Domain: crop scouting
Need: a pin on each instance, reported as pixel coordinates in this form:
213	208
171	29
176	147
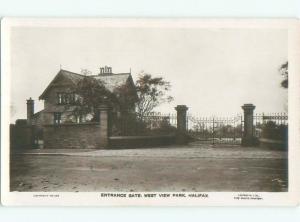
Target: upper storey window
66	98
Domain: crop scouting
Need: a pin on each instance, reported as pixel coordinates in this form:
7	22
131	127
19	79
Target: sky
212	71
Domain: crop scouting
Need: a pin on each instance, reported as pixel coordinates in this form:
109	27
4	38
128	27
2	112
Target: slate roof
111	81
74	77
114	80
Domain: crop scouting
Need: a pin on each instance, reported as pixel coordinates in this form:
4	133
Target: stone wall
21	136
73	136
123	142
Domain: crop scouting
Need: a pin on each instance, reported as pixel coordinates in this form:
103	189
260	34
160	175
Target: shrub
271	130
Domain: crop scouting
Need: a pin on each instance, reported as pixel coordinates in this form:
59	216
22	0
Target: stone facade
65	83
72	136
88	135
57	126
51	104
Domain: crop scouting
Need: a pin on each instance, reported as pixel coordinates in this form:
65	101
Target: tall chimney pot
105	70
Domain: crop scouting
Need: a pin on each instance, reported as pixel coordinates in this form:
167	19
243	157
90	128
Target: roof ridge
71	72
109	74
122	73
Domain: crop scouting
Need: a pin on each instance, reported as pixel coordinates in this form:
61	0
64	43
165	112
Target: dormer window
65	98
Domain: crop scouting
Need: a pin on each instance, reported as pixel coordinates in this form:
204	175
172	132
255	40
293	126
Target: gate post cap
30	100
248	106
181	108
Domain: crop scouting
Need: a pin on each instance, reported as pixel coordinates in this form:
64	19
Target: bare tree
152	92
91	94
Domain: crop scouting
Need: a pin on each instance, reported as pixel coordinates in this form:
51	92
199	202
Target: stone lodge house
56	124
59	97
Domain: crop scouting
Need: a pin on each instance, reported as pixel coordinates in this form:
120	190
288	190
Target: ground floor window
57	118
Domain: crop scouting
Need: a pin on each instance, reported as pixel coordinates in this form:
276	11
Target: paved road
191	168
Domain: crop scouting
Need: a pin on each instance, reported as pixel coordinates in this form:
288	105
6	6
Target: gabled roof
111	81
74	77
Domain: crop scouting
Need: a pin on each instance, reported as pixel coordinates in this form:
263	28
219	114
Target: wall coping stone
71	124
140	137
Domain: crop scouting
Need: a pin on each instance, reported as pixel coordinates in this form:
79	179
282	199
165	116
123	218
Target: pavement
193	150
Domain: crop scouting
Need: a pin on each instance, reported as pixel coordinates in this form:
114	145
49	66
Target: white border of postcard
290	198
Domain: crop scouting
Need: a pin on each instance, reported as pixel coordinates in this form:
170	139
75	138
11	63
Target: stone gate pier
248	138
181	137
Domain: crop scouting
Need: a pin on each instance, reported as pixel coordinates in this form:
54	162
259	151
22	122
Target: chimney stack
105	70
30	110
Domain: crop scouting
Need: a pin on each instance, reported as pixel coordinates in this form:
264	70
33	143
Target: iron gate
214	130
